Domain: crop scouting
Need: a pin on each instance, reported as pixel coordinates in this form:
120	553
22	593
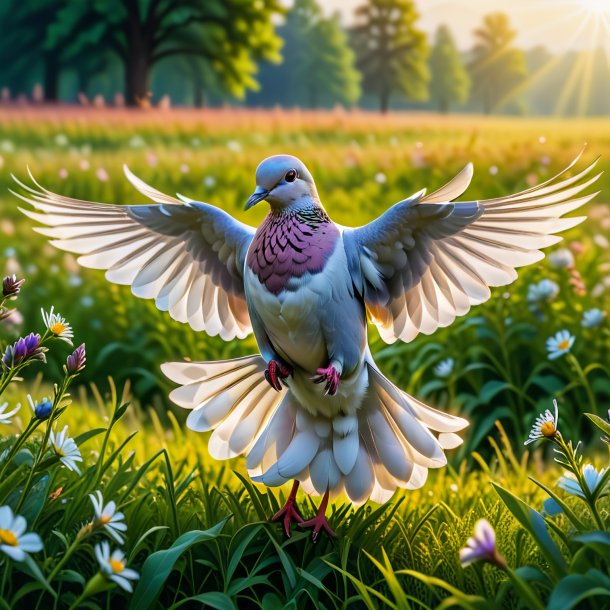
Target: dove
313	407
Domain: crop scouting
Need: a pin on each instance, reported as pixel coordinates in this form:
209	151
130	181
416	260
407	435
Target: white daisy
107	517
5	418
481	546
560	344
65	448
112	566
593	317
592	479
14	542
545	425
58	326
444	368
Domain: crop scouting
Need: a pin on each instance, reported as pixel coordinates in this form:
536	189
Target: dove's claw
319	522
275	372
331	376
289	512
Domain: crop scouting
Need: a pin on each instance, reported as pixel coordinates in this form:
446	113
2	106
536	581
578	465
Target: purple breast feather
288	245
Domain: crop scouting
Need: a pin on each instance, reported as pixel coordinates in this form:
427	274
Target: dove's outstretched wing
189	257
425	261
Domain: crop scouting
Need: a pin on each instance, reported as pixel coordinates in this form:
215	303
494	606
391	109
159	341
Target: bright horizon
559	25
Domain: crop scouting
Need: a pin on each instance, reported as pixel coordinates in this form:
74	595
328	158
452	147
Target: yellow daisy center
7	537
57	328
104	519
548	429
116	565
565	344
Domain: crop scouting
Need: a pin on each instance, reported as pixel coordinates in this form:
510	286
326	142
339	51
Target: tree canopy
497	66
392	53
229	34
318	66
450	82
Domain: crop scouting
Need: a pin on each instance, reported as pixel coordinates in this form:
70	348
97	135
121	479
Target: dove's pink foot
331	376
319	522
275	372
289	512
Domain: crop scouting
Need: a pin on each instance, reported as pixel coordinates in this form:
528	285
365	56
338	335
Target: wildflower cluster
54	448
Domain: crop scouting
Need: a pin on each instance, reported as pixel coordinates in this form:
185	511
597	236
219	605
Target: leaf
85	436
159	565
574	589
602	424
570	514
534	523
597	540
213	599
30	567
36	499
491	389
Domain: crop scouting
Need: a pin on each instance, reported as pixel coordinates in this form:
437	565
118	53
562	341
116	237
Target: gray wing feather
188	257
424	262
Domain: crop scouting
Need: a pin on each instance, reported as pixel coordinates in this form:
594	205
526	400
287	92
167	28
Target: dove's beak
259	194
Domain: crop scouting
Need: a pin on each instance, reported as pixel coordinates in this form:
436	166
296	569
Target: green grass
162	477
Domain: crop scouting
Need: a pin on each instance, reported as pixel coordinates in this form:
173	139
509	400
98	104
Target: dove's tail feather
390	442
230	397
400	439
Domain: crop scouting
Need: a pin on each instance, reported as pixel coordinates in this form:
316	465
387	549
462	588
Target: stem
65	557
6	379
33	424
59	394
570	455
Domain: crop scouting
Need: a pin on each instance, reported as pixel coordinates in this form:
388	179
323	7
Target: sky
560	25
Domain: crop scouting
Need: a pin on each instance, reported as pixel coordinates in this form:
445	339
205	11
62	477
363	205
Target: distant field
362	162
499	370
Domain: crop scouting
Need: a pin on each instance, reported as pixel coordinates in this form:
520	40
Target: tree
319	61
450	81
229	34
497	66
24	46
392	53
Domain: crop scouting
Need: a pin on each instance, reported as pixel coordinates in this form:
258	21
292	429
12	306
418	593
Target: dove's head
284	182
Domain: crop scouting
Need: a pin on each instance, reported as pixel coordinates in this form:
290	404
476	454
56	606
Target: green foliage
229	35
450	82
497	67
392	53
317	62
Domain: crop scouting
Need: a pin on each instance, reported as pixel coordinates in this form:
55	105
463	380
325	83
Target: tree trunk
51	77
137	70
313	96
443	106
198	85
138	58
384	100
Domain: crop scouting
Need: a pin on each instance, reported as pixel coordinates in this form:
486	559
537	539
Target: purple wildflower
482	546
11	286
76	360
24	347
32	341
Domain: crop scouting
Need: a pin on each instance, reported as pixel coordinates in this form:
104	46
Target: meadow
196	529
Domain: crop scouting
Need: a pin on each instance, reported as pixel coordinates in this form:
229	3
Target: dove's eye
291	175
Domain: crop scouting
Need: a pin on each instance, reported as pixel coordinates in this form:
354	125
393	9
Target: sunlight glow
596	6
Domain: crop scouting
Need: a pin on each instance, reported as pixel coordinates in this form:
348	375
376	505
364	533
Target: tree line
258	51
